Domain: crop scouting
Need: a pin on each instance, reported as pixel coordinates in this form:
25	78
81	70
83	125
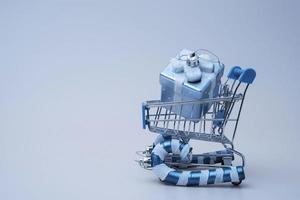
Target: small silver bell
192	60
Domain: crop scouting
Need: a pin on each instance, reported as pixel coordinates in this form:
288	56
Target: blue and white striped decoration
189	178
206	158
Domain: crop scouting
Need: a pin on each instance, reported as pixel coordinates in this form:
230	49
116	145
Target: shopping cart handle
243	75
235	72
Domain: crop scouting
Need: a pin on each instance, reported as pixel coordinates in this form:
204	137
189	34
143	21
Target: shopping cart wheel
236	183
226	161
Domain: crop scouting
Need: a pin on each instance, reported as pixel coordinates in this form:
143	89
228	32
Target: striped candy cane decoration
189	178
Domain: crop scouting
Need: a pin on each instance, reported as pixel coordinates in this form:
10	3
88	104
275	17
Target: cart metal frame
224	110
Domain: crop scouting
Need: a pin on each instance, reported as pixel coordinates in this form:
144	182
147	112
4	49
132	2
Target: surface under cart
170	156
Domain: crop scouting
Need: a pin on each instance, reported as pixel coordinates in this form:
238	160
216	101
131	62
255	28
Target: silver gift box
175	87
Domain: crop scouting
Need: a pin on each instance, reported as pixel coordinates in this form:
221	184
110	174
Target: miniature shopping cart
171	157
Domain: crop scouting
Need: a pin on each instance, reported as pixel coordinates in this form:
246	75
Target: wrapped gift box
182	82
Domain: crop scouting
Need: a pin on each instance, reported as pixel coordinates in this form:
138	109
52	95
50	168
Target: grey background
73	75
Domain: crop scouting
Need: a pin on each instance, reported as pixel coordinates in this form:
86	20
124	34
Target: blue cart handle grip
243	75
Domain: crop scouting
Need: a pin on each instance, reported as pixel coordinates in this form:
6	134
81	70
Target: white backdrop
73	75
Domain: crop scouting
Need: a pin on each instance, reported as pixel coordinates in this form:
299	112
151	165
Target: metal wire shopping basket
171	153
